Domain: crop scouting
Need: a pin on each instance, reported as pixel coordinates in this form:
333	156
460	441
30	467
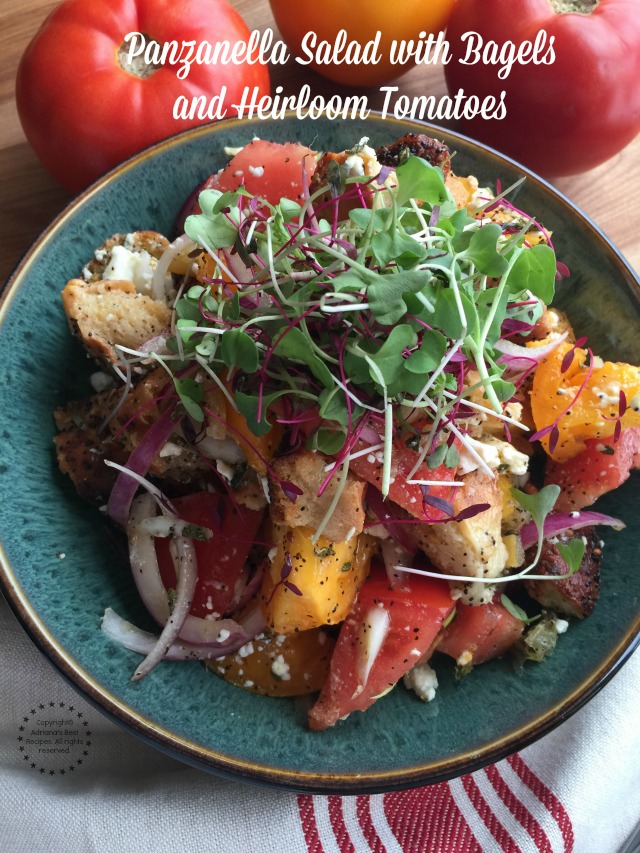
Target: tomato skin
221	559
485	632
361	19
562	118
406	495
422	604
83	113
270	170
601	467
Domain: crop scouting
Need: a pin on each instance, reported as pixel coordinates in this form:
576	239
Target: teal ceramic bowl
181	708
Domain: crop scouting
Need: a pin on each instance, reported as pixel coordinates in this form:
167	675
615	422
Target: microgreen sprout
356	317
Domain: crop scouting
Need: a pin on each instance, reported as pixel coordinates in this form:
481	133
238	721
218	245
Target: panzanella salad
343	431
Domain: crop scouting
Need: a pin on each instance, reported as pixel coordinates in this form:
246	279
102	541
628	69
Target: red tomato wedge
485	632
409	497
221	559
270	170
601	467
386	633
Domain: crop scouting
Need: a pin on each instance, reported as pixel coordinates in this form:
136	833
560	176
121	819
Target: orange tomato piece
595	411
279	665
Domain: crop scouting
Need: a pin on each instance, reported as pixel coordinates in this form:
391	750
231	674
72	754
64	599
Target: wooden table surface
30	198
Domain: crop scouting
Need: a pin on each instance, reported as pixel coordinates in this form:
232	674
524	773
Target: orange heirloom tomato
409	19
84	107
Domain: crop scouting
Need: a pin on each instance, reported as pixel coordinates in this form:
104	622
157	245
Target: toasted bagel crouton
104	314
305	469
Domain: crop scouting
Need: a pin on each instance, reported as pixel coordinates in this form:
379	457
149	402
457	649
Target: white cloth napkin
578	789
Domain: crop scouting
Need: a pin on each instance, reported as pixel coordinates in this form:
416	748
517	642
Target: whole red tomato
568	116
361	19
84	108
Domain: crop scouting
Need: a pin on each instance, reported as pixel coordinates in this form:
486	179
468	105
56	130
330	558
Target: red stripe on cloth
506	842
428	819
338	825
546	797
309	825
363	810
519	810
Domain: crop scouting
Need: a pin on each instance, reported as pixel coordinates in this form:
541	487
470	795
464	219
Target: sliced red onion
559	522
181	244
157	344
370	435
184	557
144	561
253	585
535	353
139	462
137	640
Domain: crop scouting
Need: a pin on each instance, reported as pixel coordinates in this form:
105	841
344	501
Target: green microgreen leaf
535	270
389	358
248	406
426	359
211	226
517	611
394	246
420	180
572	553
295	345
437	457
539	504
191	396
238	349
447	314
385	294
483	253
326	441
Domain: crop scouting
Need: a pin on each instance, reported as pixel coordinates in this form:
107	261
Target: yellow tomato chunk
279	665
595	411
309	585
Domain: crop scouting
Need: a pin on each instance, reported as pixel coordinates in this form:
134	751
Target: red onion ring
139	462
561	522
137	640
532	353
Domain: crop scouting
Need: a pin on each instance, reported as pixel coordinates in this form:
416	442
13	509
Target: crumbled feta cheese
561	624
423	680
226	470
100	381
126	265
246	650
464	659
280	668
354	165
494	453
169	448
257	171
607	396
100	255
223	635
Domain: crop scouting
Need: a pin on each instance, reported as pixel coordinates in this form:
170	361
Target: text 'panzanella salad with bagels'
341	427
